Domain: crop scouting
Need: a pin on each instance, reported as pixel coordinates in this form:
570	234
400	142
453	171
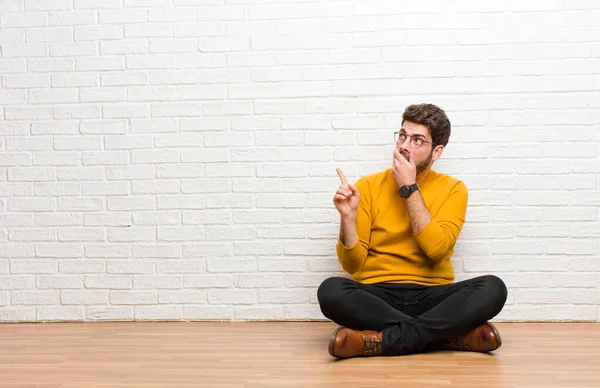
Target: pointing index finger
342	177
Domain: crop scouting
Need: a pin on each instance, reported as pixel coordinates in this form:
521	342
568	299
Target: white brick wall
175	159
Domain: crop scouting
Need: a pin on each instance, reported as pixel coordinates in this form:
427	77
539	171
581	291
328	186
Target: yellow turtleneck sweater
388	250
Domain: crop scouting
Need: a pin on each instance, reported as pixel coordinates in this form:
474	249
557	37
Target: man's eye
418	141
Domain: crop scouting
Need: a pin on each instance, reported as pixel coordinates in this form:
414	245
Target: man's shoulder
440	179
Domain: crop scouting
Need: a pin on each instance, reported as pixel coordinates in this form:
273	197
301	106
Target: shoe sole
331	342
497	333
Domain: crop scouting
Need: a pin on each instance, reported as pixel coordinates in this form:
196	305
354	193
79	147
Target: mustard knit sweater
388	250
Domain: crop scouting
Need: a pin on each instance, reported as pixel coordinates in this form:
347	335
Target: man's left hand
403	171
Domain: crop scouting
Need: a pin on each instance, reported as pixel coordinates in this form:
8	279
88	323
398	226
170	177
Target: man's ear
437	152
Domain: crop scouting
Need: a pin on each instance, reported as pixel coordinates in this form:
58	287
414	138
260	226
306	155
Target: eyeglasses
416	141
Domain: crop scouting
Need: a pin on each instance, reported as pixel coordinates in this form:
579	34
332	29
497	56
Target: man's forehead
415	129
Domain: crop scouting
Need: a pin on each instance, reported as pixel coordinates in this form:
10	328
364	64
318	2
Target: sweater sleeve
353	258
440	234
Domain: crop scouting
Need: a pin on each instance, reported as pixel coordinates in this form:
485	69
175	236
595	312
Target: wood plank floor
277	354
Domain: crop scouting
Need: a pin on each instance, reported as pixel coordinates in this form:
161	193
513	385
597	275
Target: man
397	235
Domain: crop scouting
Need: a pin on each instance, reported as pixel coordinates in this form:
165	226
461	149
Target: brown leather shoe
484	338
346	343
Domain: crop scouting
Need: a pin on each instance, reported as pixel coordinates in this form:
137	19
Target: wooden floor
273	354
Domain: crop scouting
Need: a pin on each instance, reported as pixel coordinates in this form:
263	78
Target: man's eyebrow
416	134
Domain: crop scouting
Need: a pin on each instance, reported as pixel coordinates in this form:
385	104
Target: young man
397	236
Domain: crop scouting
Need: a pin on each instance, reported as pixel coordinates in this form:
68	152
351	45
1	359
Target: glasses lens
416	143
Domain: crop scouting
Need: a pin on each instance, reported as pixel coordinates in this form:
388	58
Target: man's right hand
346	197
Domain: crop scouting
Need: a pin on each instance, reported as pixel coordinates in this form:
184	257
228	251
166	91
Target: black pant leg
358	306
441	312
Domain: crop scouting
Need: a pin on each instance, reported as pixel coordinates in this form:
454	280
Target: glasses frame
410	137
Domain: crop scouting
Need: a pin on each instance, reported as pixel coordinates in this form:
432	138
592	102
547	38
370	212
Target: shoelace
370	345
457	343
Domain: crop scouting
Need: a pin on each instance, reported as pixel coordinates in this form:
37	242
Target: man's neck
421	177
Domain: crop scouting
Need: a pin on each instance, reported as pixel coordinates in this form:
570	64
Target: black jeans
413	318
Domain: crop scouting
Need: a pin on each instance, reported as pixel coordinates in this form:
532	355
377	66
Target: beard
422	166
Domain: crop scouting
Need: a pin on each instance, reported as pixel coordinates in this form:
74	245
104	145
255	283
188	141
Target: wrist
406	191
349	217
405	182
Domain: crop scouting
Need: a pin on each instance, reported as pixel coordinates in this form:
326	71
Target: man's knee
496	289
329	295
330	290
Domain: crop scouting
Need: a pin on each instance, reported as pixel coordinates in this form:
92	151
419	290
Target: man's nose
402	145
